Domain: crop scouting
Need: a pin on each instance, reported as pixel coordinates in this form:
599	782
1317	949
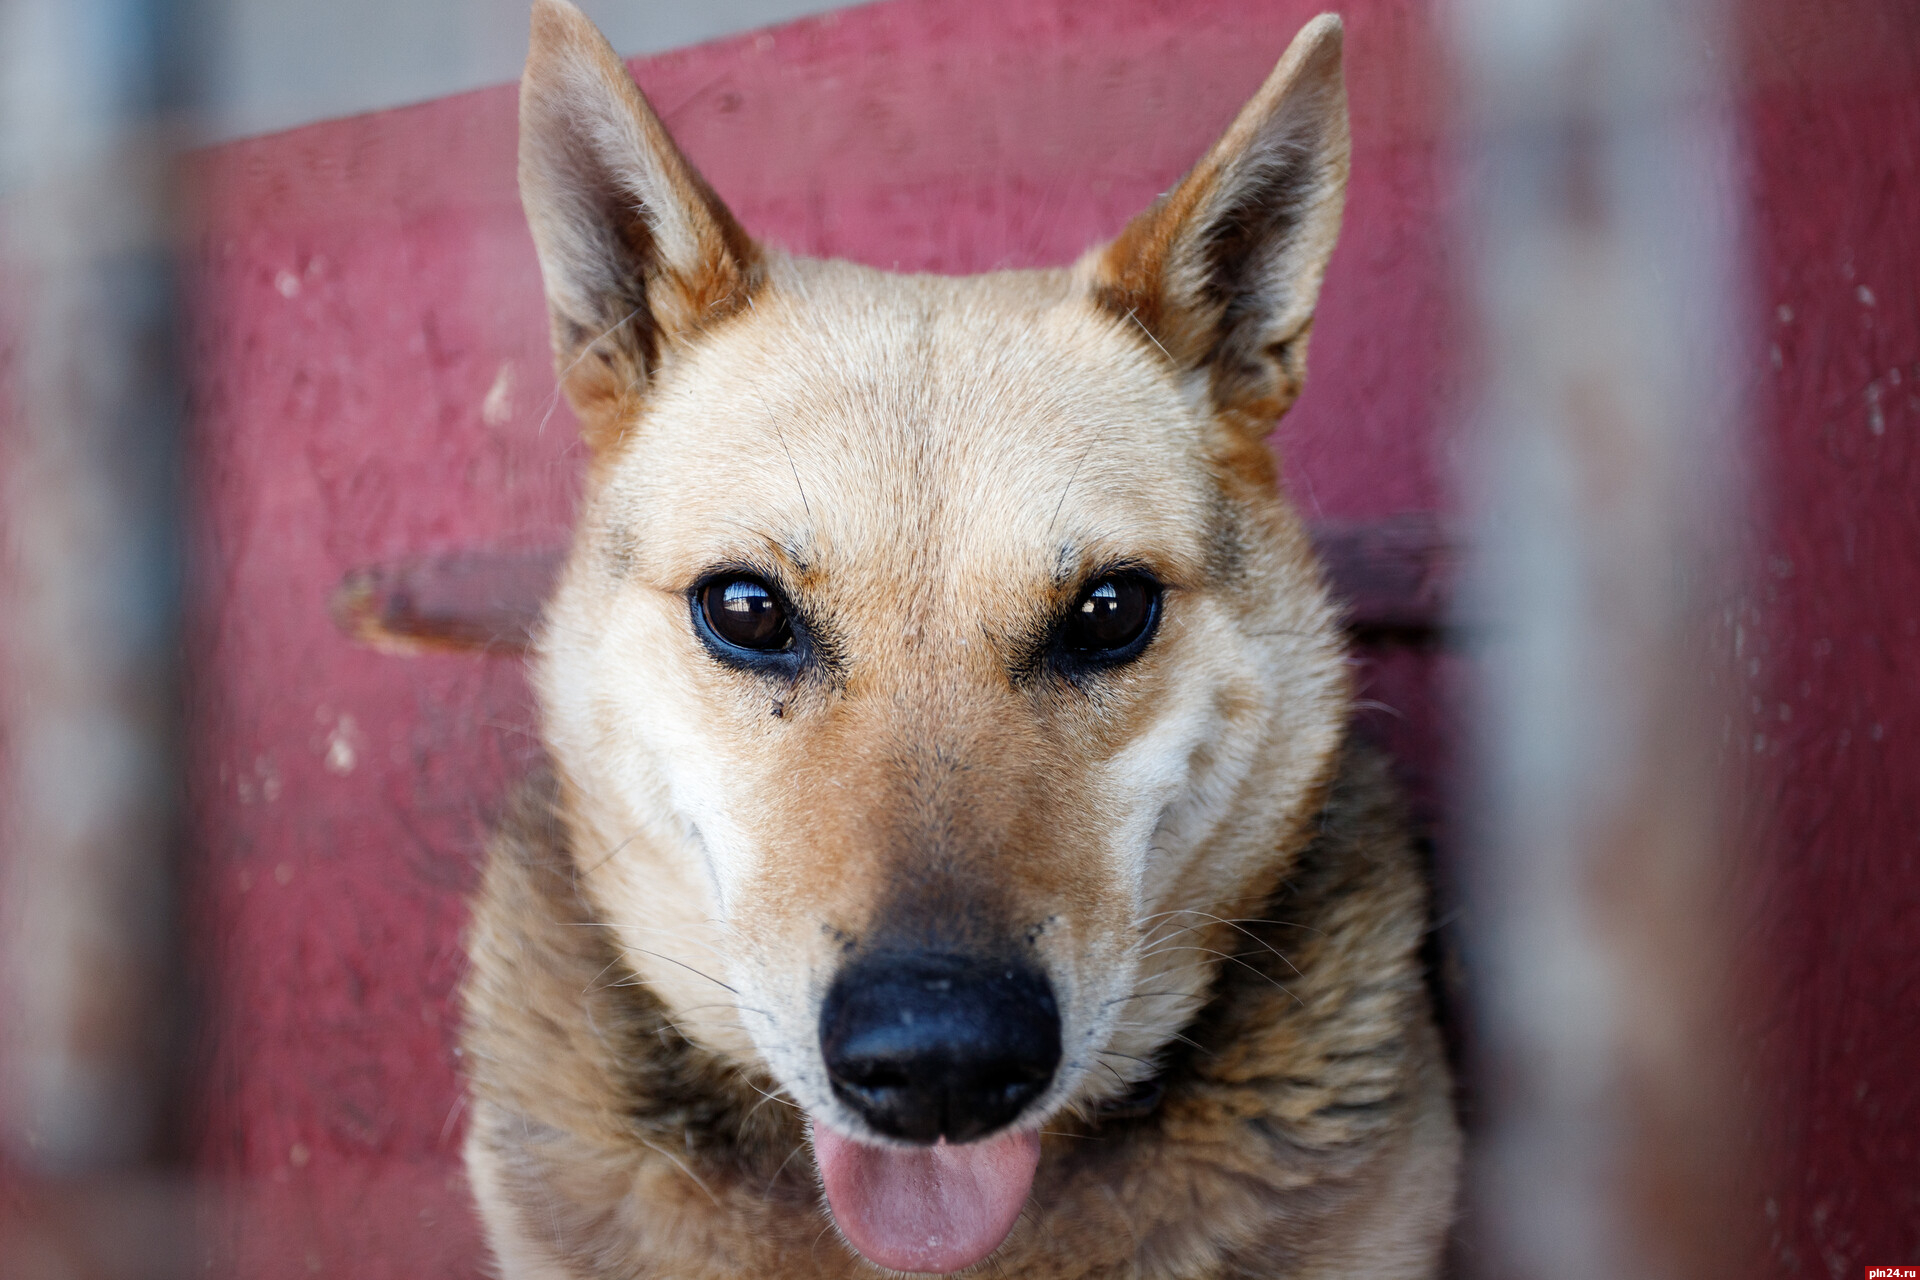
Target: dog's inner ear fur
1223	271
636	251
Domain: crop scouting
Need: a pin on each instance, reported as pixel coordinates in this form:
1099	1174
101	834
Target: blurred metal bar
1606	485
90	416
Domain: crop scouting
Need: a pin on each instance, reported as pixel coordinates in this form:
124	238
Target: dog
951	854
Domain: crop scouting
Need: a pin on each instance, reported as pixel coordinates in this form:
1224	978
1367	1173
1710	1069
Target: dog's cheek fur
1241	752
634	743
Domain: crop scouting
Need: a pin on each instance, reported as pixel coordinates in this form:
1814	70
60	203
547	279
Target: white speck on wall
262	782
343	753
288	284
497	409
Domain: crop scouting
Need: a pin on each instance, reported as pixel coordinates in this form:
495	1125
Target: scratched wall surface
372	383
1831	642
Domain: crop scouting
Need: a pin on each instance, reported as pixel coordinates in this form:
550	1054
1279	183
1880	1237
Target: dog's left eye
1111	617
745	613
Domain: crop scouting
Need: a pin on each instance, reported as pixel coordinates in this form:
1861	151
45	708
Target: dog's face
937	669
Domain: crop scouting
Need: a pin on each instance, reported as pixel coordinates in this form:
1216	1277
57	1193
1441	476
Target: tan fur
933	469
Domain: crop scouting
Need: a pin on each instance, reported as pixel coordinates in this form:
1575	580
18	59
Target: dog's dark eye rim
1134	643
791	634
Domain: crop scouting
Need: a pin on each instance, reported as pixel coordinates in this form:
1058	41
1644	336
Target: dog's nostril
927	1046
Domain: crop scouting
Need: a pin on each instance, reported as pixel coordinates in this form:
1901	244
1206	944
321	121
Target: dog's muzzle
924	1046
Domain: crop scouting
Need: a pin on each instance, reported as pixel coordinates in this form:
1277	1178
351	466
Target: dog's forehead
995	423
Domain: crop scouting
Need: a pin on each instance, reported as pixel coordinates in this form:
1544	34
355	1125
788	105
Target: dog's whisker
677	1163
1241	927
766	1097
767	1191
603	973
1143	921
1115	1053
611	854
737	1008
675	934
1243	962
1152	995
661	955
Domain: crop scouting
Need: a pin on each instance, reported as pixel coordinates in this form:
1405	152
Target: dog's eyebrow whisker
1060	506
781	435
586	349
1134	315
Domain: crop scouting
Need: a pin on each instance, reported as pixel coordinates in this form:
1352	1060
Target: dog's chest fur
1304	1128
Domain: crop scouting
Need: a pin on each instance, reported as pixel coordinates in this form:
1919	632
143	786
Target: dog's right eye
745	613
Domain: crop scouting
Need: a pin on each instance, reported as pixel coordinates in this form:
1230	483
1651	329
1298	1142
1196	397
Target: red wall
1833	629
372	382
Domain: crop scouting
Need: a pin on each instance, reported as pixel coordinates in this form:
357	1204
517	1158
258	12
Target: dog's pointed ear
636	251
1223	271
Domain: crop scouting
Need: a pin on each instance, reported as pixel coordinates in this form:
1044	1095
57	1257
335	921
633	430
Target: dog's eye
1111	617
744	612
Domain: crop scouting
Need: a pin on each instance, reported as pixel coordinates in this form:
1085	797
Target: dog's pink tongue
939	1208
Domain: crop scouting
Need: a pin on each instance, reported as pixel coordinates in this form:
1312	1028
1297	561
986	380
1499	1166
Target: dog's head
937	672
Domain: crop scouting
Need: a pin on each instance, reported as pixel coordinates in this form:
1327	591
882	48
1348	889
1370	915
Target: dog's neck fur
1302	1081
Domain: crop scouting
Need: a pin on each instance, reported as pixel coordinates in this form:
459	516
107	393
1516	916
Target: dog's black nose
928	1046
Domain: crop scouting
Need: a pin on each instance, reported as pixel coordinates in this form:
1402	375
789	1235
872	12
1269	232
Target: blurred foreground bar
90	413
1606	491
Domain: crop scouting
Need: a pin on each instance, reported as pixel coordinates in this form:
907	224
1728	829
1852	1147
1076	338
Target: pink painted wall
372	382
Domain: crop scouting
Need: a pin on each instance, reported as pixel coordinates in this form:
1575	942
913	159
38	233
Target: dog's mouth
939	1056
939	1209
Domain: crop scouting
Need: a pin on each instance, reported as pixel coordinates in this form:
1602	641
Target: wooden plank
1394	576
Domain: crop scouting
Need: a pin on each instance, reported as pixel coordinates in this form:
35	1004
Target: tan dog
949	808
